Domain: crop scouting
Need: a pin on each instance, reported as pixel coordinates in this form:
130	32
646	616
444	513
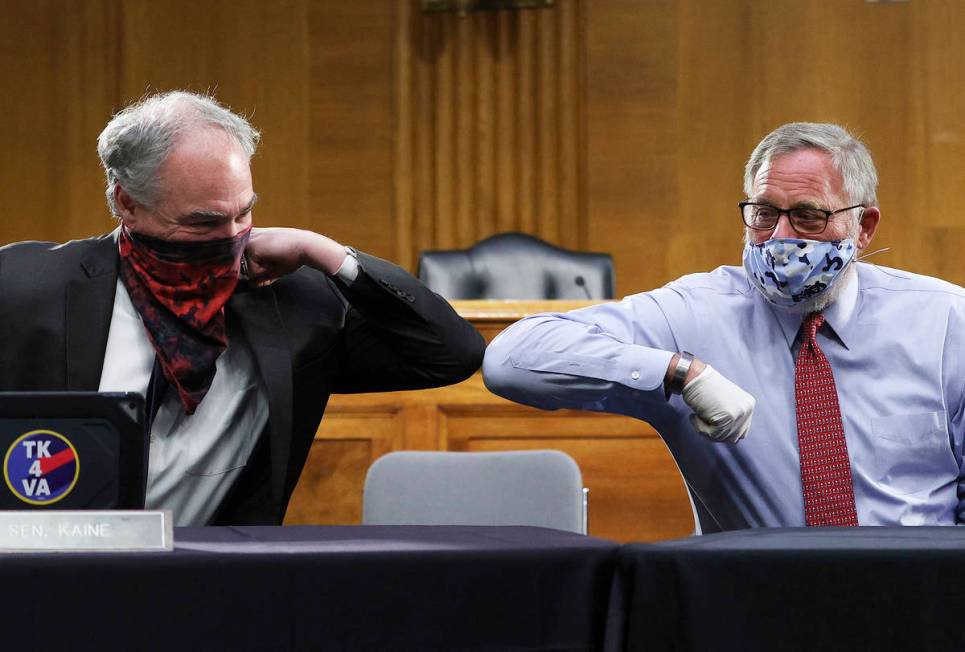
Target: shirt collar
839	316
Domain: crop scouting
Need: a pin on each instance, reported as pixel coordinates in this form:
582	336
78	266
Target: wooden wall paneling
84	93
57	89
631	131
422	428
715	90
330	487
636	492
874	90
487	126
866	88
255	59
936	88
278	88
357	430
506	123
402	138
571	99
352	136
546	113
903	192
484	134
464	149
525	119
422	127
444	33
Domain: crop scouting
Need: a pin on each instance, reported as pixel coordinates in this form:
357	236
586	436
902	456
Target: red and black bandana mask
180	290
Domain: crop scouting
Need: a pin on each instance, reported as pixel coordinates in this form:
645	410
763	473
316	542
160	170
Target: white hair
138	139
848	155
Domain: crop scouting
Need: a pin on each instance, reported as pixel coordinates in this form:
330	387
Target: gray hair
139	138
848	155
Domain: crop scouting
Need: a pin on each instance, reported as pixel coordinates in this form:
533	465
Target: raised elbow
470	356
498	370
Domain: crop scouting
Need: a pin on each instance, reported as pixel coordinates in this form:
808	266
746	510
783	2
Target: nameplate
85	531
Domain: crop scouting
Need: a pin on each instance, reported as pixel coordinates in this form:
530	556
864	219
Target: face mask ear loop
876	251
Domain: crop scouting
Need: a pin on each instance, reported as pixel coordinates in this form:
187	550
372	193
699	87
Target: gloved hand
722	410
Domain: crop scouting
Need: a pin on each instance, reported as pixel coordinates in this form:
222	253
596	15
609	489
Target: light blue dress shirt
896	344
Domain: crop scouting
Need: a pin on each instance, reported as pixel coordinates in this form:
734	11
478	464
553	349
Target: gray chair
517	266
539	487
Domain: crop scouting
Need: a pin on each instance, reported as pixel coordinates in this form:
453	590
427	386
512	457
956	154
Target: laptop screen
72	450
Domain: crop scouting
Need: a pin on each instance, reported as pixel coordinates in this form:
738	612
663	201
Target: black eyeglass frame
788	211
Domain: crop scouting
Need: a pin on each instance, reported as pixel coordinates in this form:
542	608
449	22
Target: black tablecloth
793	589
317	588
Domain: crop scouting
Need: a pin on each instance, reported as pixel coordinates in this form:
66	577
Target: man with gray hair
236	335
858	407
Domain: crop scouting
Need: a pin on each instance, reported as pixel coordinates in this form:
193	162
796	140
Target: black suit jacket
311	336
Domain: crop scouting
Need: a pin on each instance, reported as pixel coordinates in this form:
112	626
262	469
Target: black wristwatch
679	375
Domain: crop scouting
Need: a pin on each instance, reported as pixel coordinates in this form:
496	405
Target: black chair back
517	266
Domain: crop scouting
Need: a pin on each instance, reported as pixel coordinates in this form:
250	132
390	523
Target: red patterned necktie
825	466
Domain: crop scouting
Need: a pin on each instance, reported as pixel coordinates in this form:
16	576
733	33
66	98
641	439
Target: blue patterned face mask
788	271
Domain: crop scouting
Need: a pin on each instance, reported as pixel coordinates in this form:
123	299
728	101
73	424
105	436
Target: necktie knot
811	325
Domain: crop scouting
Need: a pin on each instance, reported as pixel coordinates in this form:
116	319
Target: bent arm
612	357
398	334
395	333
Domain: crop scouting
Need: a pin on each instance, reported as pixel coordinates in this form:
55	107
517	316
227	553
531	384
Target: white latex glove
722	410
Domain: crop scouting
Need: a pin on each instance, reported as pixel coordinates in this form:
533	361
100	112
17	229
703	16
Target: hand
275	252
722	410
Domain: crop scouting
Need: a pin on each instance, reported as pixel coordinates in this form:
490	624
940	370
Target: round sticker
41	467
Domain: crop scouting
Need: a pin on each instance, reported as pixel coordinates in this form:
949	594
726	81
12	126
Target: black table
317	588
793	589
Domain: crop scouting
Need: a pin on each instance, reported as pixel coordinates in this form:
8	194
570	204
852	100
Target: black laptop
72	450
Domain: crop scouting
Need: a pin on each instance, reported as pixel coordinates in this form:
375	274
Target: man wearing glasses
853	373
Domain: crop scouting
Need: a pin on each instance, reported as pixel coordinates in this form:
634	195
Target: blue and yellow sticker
41	467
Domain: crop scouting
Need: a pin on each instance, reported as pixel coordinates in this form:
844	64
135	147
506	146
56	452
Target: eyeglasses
806	221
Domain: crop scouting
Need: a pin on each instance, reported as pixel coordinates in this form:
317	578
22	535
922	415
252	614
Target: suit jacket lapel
257	312
90	303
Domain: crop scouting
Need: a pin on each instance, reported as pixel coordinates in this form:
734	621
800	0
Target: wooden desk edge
477	310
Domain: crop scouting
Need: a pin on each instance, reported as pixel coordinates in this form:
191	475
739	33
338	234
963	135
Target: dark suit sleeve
44	286
398	334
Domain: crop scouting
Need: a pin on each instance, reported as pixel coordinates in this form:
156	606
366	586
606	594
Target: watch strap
679	375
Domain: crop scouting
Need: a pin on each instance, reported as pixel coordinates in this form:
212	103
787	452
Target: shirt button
635	375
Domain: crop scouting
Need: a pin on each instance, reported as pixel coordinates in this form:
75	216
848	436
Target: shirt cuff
349	269
637	367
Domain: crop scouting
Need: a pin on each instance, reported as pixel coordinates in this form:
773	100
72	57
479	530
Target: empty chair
517	266
541	487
